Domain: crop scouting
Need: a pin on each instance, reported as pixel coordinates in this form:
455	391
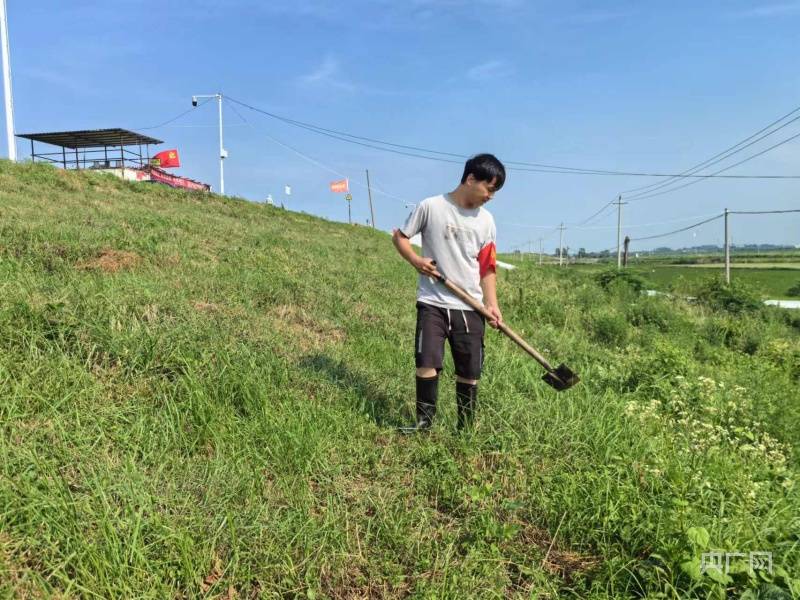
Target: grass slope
199	398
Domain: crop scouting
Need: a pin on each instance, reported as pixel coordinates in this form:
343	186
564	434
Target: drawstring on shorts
450	323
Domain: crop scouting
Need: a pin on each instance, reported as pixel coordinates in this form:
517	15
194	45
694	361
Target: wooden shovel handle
503	327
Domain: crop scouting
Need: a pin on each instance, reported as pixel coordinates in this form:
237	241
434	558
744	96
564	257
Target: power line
703	222
175	118
585	221
415	152
605	227
316	162
543	238
727	152
640	225
713	160
736	164
548	227
324	166
236	111
762	212
687	228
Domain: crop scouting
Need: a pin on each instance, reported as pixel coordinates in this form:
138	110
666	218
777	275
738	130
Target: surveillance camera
194	100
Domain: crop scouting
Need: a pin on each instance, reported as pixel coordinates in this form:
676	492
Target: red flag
340	187
166	159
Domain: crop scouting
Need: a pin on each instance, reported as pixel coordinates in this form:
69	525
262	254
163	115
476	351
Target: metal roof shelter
91	148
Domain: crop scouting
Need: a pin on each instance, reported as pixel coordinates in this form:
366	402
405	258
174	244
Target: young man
458	240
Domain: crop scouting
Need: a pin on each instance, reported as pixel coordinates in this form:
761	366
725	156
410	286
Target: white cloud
328	74
770	10
589	17
493	69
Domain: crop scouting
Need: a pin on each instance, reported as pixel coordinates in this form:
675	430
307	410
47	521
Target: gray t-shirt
453	237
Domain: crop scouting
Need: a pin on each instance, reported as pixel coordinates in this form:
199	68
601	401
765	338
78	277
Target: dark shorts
463	329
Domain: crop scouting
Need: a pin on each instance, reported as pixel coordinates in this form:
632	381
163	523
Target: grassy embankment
199	398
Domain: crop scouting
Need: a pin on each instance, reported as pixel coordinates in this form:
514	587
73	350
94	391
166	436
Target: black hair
485	167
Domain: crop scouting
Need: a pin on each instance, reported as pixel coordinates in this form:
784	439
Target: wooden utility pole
369	192
727	250
540	252
619	204
625	251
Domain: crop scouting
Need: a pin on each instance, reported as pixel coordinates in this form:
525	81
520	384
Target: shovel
561	378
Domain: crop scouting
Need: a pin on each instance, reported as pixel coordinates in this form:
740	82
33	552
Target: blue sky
656	86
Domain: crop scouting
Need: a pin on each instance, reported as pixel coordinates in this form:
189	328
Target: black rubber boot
427	390
467	401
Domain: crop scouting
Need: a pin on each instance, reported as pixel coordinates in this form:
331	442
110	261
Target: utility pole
561	246
540	252
625	252
9	97
369	192
223	154
619	204
727	250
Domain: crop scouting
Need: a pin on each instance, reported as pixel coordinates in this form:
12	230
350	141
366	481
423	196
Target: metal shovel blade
561	378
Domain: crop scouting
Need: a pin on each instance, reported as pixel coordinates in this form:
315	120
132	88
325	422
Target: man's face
480	191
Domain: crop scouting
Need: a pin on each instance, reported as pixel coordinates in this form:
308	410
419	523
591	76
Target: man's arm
489	287
426	266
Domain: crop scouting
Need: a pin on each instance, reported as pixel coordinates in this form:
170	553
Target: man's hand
494	310
426	266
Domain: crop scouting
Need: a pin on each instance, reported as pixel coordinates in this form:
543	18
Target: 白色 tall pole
9	97
223	154
561	245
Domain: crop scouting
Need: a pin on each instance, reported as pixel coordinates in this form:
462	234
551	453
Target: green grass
770	282
200	396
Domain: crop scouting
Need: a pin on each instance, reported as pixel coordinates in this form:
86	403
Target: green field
790	266
200	396
769	282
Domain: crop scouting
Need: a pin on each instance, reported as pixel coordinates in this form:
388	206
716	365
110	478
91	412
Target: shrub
610	328
794	291
615	277
653	312
738	333
734	298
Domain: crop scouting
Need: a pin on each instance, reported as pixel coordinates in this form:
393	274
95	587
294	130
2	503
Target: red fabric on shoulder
487	259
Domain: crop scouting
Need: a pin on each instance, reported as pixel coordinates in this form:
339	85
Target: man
458	238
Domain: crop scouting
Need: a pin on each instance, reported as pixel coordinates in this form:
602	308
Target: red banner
177	182
167	159
340	187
